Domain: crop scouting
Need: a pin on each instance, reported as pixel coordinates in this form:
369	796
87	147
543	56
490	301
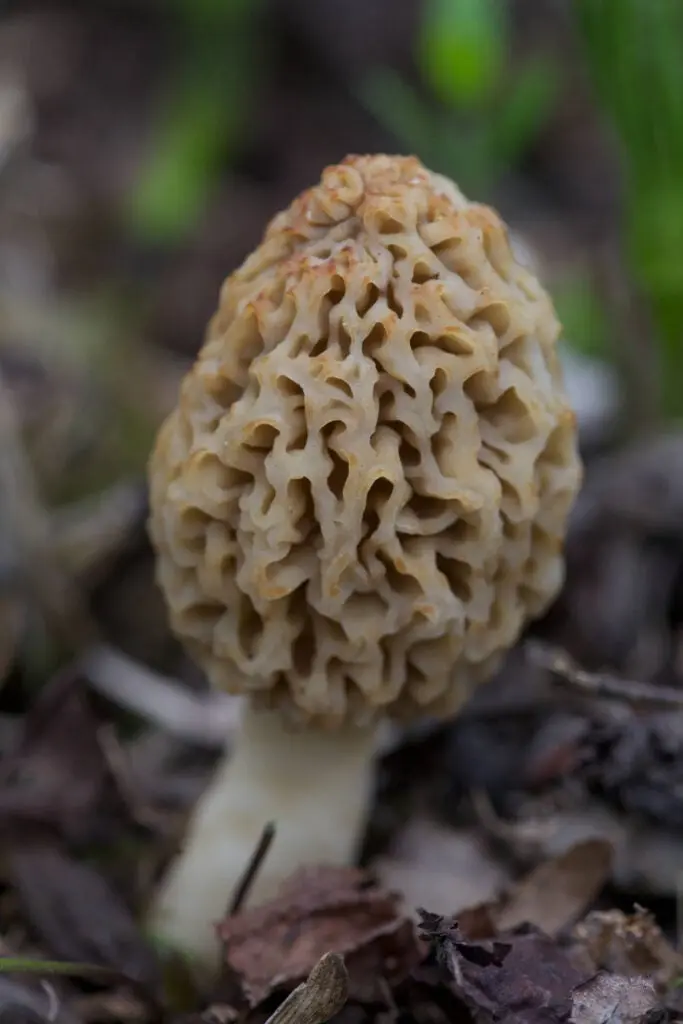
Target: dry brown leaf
321	910
523	978
646	860
77	914
59	776
629	944
612	999
556	893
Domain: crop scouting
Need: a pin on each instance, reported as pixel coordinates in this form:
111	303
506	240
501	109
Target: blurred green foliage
488	109
634	50
582	312
203	121
461	50
473	115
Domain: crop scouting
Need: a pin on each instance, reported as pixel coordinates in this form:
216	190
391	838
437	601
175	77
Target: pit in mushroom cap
362	494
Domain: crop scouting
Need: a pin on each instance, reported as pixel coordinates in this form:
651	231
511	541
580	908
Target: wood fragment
318	998
602	685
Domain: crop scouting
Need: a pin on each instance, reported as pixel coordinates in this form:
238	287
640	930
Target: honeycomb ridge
362	494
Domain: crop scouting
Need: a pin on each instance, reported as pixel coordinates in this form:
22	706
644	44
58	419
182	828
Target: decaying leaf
613	999
634	762
629	944
523	978
321	910
559	891
574	877
59	777
646	860
78	915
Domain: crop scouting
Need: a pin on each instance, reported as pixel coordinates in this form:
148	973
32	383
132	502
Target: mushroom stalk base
314	786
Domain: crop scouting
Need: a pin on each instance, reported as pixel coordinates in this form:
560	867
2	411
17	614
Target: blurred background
144	144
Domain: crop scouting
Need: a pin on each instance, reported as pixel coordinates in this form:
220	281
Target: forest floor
523	862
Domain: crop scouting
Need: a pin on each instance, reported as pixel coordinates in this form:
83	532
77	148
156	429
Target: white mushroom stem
314	786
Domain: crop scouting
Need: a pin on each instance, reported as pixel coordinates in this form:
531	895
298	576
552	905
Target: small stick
319	998
597	684
206	720
253	867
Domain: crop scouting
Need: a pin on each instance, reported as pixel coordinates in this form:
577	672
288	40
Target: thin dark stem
253	867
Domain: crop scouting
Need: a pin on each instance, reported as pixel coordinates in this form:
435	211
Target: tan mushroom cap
362	495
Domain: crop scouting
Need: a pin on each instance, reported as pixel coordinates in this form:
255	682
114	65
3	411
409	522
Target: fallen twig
598	684
205	719
318	998
252	868
530	833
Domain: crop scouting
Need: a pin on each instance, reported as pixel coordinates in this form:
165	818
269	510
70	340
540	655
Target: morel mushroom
357	504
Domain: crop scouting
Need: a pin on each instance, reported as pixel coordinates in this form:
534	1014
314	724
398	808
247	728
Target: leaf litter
532	913
491	944
317	911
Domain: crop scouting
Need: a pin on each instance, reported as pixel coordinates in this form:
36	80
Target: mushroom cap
362	494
